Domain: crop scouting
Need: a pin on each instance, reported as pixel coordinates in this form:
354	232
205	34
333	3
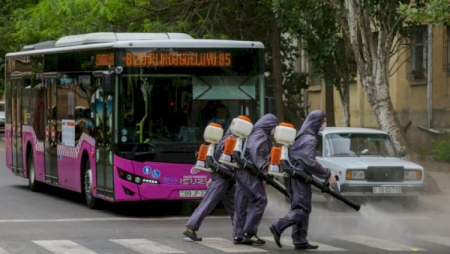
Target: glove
332	180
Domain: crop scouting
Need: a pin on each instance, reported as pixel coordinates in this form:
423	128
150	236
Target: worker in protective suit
249	187
221	188
303	157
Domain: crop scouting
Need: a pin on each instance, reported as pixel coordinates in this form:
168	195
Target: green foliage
51	19
422	153
428	11
241	20
441	148
317	24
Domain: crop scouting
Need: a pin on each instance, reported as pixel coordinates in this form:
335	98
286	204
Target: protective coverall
249	187
221	188
302	156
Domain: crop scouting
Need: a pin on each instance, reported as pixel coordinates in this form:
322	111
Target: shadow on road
128	209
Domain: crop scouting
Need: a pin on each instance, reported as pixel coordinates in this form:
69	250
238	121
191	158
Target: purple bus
120	116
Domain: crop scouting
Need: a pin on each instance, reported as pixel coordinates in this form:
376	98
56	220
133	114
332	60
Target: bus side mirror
108	83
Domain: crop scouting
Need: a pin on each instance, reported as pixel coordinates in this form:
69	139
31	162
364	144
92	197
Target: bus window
163	110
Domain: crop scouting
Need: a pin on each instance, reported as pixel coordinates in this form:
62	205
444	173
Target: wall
408	97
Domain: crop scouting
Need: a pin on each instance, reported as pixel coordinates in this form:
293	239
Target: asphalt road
57	221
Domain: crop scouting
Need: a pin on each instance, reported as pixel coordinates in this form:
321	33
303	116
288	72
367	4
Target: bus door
16	113
102	107
51	127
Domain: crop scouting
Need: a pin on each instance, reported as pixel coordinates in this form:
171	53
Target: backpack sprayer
280	164
205	158
241	127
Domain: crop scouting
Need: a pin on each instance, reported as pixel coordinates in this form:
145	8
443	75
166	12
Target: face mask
322	127
220	120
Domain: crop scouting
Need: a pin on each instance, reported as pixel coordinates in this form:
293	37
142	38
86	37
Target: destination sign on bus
104	59
177	59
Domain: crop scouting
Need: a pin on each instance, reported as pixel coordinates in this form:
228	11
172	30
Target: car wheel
91	201
33	185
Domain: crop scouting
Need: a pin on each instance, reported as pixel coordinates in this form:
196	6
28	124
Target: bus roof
105	40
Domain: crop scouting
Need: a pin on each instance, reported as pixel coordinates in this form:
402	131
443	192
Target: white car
368	166
2	116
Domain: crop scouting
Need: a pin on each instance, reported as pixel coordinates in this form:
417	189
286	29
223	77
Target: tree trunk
384	109
329	104
372	63
277	71
345	103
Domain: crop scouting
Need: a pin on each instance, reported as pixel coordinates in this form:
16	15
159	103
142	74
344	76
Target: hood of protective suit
258	143
312	123
266	123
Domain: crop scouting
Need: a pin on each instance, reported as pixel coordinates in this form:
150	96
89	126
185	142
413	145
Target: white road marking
182	219
227	245
145	246
64	247
287	241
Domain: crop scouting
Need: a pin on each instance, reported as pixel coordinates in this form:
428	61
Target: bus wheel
33	185
91	201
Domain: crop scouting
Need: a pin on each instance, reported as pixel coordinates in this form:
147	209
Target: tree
241	20
373	26
318	26
7	28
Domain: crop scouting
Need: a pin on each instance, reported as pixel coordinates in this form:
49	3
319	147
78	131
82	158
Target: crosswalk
333	243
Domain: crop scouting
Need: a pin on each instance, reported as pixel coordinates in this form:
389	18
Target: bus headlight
411	175
355	175
129	177
135	179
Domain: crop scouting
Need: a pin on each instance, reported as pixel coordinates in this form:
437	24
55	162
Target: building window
447	49
418	63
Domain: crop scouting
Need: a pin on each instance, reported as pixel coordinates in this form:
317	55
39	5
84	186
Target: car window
359	144
2	107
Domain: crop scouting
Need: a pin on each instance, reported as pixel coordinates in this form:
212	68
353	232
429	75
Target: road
56	221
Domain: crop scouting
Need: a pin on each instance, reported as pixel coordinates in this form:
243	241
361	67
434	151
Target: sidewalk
440	201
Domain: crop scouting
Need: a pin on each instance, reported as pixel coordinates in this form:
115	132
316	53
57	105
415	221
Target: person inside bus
222	116
250	187
219	188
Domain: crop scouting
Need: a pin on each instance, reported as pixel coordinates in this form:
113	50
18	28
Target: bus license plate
387	190
192	193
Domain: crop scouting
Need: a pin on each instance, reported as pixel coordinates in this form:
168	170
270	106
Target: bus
120	116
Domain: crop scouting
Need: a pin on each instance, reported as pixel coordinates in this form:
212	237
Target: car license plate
192	193
387	190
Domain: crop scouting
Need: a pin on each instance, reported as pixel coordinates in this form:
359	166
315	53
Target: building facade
422	104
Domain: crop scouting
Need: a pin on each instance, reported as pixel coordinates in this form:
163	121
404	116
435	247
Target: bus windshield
165	109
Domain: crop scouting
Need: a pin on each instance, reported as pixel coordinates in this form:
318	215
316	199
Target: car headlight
355	175
412	175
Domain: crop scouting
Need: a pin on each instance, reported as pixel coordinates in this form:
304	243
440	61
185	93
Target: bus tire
88	190
33	185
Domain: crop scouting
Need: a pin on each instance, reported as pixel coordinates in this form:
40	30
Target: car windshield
358	144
